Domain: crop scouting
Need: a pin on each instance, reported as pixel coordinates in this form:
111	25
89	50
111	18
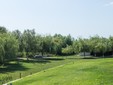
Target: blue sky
80	18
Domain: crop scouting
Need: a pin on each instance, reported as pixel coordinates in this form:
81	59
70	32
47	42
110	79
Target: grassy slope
81	72
25	68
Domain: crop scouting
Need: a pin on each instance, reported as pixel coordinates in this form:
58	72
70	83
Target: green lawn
81	72
12	70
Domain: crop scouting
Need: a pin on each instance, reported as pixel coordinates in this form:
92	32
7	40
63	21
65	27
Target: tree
99	45
3	29
9	47
47	42
29	39
84	45
2	51
93	44
18	36
76	46
57	44
68	50
69	40
111	43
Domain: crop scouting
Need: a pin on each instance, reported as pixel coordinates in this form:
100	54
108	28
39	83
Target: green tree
68	50
57	44
29	40
69	40
76	46
9	47
2	51
3	29
93	44
111	43
84	45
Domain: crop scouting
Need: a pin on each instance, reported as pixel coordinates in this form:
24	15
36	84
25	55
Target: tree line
29	43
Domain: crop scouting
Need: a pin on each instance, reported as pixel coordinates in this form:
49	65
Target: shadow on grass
99	57
11	67
53	59
85	57
90	58
35	61
107	57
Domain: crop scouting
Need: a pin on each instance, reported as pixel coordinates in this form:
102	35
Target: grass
80	72
12	70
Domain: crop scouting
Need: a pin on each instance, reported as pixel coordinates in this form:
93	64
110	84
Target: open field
81	72
12	70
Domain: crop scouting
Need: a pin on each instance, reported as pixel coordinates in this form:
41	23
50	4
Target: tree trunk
42	52
3	61
17	60
95	55
27	56
84	55
103	55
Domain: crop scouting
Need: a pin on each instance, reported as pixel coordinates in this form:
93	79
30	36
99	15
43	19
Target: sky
79	18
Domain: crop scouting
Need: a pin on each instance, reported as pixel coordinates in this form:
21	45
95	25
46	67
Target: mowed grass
12	70
79	72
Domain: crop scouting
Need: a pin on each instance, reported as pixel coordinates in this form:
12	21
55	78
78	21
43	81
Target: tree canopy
29	43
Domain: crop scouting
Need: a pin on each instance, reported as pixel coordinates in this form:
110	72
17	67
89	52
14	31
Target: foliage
3	29
8	47
68	50
28	44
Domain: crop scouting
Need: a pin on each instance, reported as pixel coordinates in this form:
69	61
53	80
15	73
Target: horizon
77	18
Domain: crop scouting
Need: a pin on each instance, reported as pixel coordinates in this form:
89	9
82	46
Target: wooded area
29	43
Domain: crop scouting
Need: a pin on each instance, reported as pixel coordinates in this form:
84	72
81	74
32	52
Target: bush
21	54
68	50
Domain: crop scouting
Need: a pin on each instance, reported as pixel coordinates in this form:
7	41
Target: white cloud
109	4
